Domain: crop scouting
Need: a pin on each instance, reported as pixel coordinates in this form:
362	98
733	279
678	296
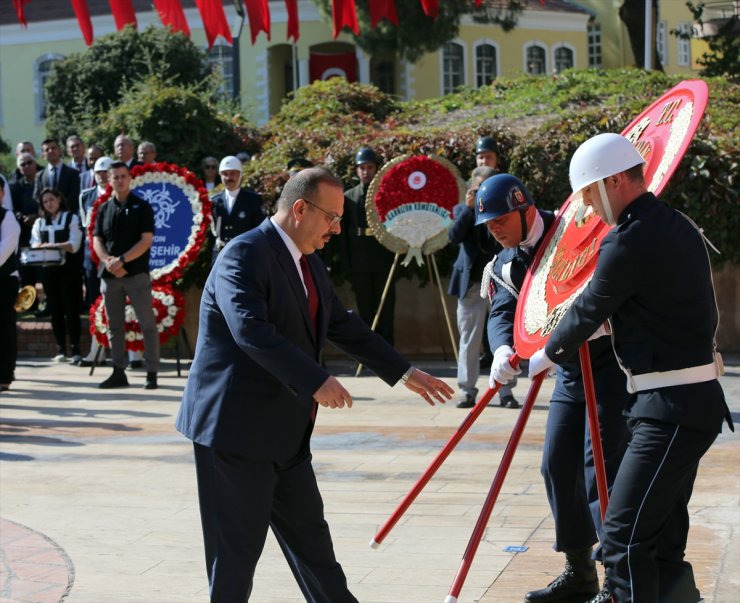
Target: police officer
235	209
653	279
367	261
504	205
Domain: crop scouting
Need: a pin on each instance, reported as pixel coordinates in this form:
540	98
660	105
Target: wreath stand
437	281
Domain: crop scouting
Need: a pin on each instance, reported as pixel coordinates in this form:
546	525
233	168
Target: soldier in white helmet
653	281
235	209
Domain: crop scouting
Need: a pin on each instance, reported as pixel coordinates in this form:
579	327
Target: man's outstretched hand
428	387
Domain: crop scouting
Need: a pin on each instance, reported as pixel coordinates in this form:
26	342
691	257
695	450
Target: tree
632	14
87	84
419	34
723	58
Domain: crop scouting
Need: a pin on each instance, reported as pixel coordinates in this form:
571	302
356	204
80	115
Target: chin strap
522	215
605	202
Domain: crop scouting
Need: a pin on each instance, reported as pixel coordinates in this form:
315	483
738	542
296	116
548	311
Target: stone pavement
98	500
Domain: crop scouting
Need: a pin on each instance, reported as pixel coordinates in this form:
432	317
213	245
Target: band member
653	280
505	206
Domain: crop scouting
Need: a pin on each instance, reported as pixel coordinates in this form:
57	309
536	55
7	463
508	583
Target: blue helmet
499	195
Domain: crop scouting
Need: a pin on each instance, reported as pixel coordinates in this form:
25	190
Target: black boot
578	582
603	596
117	379
151	381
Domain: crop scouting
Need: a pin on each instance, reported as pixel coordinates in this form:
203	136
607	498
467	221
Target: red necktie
311	291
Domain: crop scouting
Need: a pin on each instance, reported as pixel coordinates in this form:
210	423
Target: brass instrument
25	298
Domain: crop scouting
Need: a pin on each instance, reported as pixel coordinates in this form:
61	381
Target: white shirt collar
535	233
295	253
231	199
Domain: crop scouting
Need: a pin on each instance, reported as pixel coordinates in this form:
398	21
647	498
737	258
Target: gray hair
483	172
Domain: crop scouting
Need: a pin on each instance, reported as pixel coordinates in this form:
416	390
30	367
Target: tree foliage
86	84
419	34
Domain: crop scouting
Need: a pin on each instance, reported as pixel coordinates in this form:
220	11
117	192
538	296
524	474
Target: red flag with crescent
172	15
325	66
214	20
123	12
383	9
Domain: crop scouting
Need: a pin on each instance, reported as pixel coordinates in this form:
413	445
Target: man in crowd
235	209
367	262
123	235
9	233
78	160
146	152
209	170
93	153
58	175
508	211
123	149
476	250
653	281
256	383
25	208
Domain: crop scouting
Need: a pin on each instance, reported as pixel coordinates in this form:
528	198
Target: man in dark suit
125	151
653	280
256	382
367	261
57	175
235	209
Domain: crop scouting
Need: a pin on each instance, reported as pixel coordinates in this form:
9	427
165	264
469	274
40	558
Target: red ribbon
123	13
384	9
172	15
20	12
83	18
344	15
259	18
292	8
214	20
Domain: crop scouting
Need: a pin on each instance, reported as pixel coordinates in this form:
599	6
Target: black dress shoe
578	582
151	381
467	402
603	596
117	379
508	402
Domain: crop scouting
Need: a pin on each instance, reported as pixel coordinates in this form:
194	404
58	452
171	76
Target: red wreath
191	252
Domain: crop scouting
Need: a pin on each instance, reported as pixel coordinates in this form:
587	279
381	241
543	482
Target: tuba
25	298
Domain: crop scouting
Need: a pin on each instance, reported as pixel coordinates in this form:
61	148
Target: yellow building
547	39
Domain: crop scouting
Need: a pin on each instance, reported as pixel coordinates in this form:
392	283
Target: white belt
692	374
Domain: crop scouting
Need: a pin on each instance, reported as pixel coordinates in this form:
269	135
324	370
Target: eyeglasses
334	219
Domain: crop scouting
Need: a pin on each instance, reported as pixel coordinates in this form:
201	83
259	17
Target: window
221	59
684	45
384	76
485	64
43	67
453	67
535	61
661	42
594	46
564	58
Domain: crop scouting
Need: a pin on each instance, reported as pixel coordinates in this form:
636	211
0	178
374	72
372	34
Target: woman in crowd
60	229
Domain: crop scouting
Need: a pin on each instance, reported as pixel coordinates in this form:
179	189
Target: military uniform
368	264
247	213
653	279
567	460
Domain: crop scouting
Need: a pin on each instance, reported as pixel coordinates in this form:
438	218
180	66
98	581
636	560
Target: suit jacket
256	367
653	279
248	212
68	184
476	250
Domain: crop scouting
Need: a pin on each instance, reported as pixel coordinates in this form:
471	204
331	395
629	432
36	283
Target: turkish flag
172	15
344	15
20	12
83	18
324	66
383	9
259	18
431	7
123	13
292	8
214	20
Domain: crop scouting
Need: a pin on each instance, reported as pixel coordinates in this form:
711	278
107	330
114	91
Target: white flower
172	310
416	226
167	321
131	335
168	300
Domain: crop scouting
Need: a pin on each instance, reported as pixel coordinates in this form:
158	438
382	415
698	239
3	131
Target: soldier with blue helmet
507	209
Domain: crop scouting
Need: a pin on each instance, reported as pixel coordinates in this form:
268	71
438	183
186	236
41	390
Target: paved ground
98	503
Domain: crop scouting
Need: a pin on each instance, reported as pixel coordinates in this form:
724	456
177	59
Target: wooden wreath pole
444	305
462	429
376	320
498	482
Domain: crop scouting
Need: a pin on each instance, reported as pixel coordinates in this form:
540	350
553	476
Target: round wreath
406	180
168	305
201	205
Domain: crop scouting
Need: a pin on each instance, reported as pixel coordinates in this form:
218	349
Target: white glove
501	369
602	331
539	362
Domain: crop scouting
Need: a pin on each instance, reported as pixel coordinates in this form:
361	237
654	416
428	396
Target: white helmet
600	157
102	164
230	163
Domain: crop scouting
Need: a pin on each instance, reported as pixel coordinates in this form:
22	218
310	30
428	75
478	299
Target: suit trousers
239	500
569	472
138	287
472	310
647	521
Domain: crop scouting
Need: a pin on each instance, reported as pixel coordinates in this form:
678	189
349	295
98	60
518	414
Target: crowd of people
257	379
